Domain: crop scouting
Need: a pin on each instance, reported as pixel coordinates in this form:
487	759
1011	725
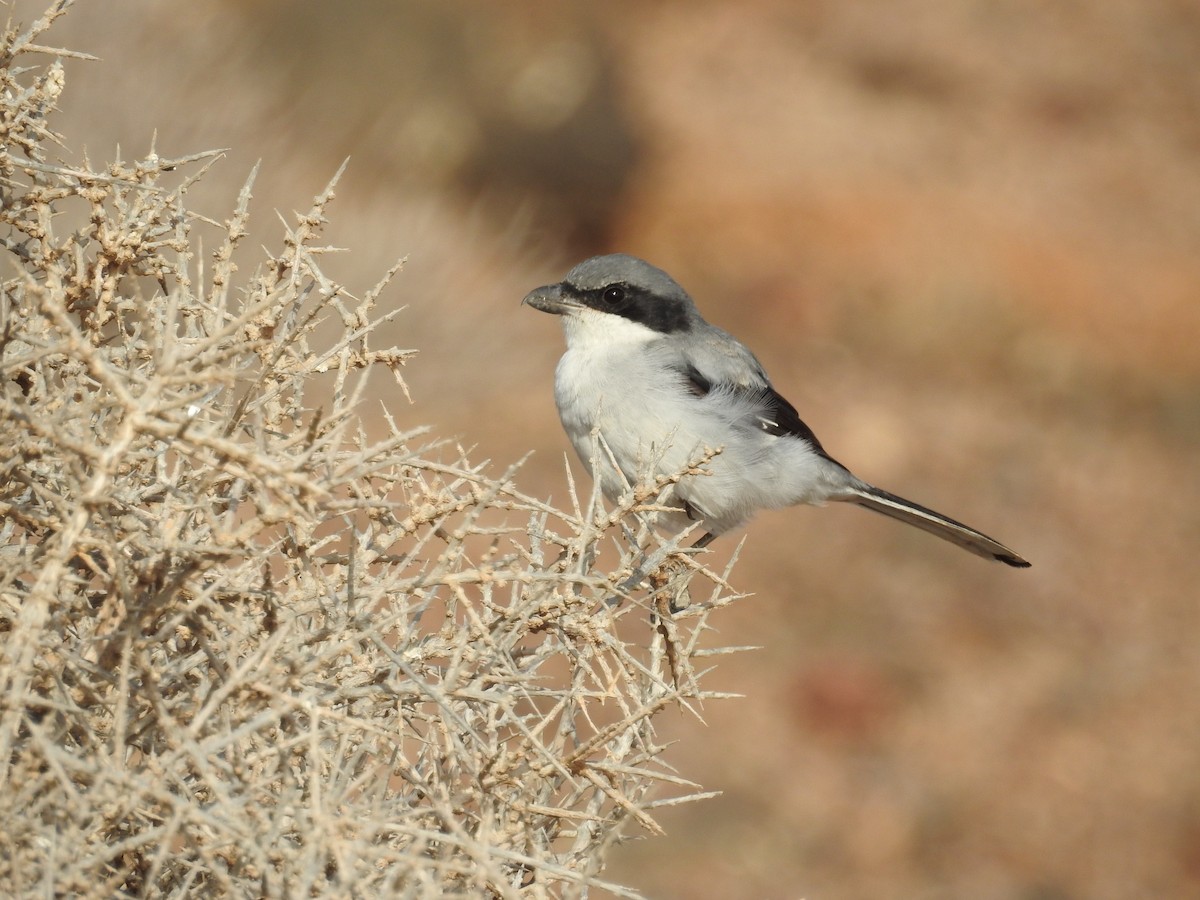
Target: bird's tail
935	523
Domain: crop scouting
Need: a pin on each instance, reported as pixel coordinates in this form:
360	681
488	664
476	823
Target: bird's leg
652	562
700	544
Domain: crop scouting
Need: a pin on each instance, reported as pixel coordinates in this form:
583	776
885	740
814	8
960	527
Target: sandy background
963	238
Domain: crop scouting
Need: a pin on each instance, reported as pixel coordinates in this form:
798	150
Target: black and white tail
935	523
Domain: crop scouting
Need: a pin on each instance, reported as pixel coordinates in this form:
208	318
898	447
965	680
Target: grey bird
646	386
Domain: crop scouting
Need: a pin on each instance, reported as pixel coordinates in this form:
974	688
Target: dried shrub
251	646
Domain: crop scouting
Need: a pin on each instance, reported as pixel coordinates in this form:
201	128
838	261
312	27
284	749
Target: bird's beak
552	299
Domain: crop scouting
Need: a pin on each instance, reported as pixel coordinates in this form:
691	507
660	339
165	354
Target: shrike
649	385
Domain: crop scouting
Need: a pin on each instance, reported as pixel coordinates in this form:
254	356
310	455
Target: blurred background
964	238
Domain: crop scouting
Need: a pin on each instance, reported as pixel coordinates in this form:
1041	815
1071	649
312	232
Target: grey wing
715	360
722	359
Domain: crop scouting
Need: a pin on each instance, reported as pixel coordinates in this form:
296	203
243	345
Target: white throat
589	329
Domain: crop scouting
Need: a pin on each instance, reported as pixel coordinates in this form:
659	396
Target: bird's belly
609	419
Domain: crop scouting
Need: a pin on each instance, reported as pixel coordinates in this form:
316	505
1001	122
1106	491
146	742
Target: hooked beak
551	299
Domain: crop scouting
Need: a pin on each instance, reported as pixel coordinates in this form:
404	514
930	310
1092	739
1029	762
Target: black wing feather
784	420
778	416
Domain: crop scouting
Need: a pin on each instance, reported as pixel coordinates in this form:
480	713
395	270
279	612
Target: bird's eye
614	294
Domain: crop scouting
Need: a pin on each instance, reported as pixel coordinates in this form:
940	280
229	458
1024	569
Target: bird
646	386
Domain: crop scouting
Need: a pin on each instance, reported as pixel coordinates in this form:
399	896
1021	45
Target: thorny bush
249	647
